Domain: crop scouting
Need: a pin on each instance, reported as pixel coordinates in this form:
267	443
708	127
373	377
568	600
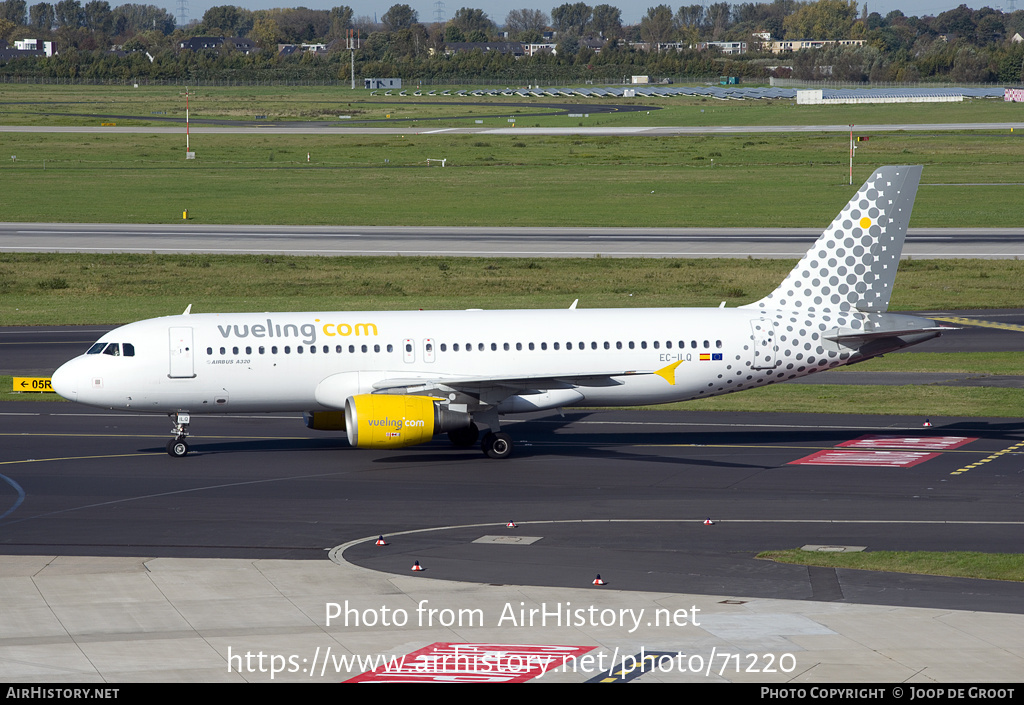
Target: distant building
725	47
34	45
513	48
246	46
782	46
539	48
381	83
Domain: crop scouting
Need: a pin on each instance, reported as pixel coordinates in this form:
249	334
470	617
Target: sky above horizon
497	10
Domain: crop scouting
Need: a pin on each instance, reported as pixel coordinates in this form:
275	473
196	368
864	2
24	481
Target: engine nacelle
394	421
325	420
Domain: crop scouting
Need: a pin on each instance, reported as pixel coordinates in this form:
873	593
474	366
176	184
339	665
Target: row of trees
961	44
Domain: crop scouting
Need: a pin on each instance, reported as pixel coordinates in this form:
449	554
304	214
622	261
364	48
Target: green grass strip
956	564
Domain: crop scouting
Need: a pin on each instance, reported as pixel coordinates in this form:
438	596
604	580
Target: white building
34	45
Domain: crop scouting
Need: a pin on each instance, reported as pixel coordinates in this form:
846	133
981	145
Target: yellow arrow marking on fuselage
668	373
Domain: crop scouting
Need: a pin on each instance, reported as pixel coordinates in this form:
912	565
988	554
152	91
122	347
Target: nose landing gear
177	447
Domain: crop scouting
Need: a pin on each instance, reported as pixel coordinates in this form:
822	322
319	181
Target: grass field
58	289
785	179
969	180
958	564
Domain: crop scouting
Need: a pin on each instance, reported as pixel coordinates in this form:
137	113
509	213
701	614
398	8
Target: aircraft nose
65	382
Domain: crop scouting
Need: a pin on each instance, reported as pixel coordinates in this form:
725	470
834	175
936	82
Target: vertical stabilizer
852	266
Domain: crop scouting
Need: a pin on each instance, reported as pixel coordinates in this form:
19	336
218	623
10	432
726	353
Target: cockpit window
96	348
112	349
128	349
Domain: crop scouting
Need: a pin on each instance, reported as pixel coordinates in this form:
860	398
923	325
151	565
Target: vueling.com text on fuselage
307	331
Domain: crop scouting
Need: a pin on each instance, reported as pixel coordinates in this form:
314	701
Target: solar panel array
725	92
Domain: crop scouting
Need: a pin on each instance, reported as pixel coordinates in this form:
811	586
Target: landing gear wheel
497	445
177	448
464	437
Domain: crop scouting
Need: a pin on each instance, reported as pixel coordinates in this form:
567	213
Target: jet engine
394	421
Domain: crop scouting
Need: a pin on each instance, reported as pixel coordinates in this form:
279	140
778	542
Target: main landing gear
177	447
494	445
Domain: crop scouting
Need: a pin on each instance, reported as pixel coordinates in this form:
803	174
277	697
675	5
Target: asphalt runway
619	493
484	242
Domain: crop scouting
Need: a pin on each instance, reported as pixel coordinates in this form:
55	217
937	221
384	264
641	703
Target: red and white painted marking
909	442
871	458
446	662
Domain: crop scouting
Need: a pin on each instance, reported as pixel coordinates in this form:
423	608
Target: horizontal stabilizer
857	338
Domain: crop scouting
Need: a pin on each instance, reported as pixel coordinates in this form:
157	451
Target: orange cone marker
927	423
598	581
417	567
380	541
708	522
511	525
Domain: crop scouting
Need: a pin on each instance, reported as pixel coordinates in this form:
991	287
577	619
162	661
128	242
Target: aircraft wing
515	385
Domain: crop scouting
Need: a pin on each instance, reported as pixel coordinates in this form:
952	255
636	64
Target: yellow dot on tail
865	222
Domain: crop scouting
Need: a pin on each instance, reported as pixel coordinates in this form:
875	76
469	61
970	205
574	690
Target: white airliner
397	378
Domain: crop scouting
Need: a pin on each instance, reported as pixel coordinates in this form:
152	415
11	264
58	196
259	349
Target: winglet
573	307
668	373
187	310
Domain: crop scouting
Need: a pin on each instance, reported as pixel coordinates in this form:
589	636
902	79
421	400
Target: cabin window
234	350
338	348
555	346
223	351
543	346
209	351
657	344
506	346
287	349
273	349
